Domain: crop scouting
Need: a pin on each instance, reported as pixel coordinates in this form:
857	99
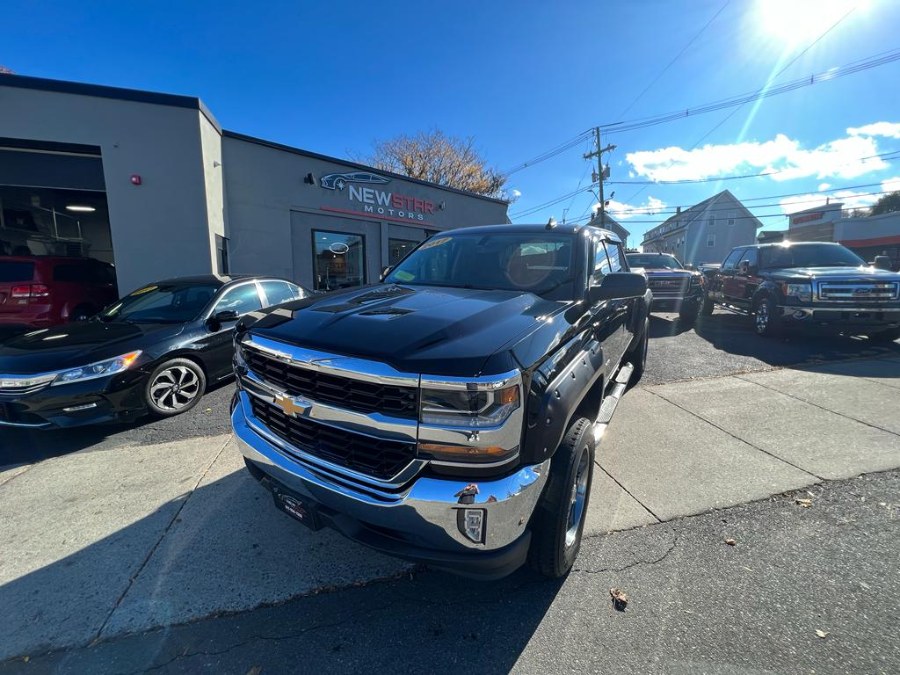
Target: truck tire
885	335
637	353
559	517
765	320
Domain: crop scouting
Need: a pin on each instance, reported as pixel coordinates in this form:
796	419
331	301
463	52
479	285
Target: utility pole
602	173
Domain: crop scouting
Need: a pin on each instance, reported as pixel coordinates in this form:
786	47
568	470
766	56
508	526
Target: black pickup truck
675	288
449	415
816	285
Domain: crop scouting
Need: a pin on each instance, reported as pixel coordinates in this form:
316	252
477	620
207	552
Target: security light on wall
309	179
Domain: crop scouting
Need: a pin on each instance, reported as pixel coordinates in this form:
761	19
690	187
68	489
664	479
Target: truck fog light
471	524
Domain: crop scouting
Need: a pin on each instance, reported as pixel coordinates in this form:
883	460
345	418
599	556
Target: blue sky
521	78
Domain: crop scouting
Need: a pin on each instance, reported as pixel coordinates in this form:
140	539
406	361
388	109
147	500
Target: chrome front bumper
424	512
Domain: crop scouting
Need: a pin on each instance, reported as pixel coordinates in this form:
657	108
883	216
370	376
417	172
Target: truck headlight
802	292
469	421
468	408
98	369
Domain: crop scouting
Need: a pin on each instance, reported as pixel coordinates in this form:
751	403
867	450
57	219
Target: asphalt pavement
118	531
799	583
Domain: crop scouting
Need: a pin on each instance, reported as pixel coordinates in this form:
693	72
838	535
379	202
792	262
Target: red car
41	291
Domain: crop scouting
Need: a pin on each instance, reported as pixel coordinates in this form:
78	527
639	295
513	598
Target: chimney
677	210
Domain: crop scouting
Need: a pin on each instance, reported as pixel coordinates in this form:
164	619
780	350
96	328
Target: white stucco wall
158	229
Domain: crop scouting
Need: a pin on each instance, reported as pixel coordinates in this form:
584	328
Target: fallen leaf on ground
731	542
821	633
208	410
805	503
619	598
255	670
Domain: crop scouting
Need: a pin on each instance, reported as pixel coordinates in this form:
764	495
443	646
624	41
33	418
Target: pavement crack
155	546
671	547
737	438
354	617
816	405
628	492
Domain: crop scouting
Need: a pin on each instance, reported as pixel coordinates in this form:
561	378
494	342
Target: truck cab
449	414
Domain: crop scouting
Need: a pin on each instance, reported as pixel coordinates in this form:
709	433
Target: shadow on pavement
663	326
26	446
734	334
224	548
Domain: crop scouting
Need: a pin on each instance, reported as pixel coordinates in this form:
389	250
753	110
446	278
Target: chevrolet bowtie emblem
293	406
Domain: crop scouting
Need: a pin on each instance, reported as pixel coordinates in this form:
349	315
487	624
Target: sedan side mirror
618	286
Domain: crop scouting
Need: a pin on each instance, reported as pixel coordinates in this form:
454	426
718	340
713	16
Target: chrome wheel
578	499
762	317
174	388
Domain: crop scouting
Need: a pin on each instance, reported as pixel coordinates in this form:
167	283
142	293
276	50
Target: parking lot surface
111	531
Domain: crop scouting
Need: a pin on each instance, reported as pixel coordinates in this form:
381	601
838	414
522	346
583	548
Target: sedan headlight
98	369
802	292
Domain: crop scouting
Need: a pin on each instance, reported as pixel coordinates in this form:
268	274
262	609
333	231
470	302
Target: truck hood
416	329
862	274
78	344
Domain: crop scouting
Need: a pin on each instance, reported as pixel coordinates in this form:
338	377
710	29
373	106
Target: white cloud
783	157
622	211
886	129
891	185
824	186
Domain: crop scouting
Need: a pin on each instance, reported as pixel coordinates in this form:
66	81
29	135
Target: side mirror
618	286
883	262
225	316
385	272
745	269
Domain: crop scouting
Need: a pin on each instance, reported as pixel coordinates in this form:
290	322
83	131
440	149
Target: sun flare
796	22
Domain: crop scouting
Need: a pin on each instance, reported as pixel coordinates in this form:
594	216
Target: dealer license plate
297	508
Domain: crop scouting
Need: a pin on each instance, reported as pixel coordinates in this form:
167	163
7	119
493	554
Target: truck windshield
516	261
809	255
654	262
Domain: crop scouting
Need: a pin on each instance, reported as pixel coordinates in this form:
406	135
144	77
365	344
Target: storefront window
398	248
338	260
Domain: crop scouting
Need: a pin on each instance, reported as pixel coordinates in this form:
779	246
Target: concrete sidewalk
105	543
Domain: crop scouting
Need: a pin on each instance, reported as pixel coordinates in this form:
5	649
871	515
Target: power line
552	202
672	62
553	152
741	99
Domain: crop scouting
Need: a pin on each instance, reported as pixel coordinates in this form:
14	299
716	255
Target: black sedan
155	350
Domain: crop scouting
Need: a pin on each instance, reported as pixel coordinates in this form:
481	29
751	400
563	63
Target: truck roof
566	228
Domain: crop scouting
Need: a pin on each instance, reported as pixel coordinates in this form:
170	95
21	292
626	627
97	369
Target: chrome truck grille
663	286
858	291
352	413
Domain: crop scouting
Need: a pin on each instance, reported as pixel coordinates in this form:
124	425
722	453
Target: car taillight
30	291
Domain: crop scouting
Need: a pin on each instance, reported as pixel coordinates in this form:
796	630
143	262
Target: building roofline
355	165
104	91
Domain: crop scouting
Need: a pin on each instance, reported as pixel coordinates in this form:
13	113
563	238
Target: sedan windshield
654	262
809	255
516	261
162	303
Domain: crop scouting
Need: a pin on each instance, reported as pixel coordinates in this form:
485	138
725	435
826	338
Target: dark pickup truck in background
674	288
449	415
822	286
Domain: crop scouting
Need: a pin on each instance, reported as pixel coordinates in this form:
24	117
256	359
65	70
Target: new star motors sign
359	188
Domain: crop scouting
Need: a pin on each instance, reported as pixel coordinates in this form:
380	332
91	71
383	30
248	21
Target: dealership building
151	183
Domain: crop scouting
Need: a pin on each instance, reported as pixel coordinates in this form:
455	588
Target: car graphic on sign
337	181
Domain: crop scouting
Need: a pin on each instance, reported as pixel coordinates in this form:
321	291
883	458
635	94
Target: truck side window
751	256
732	259
614	253
601	263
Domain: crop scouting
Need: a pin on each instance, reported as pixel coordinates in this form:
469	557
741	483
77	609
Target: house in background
607	222
706	232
